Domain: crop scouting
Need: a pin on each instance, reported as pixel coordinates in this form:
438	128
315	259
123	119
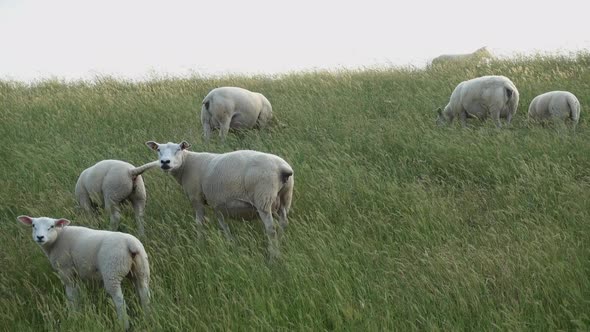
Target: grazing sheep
83	253
110	182
555	105
231	107
494	96
238	184
480	54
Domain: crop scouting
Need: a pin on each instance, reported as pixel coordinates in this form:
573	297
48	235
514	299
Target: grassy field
397	224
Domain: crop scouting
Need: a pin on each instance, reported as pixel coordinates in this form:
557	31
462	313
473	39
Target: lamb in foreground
555	105
239	184
110	182
494	96
232	107
88	254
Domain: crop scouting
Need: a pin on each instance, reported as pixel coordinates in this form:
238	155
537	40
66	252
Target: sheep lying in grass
110	182
84	253
237	184
482	54
555	105
231	107
494	96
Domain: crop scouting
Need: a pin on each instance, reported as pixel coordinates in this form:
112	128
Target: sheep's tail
511	97
139	170
284	173
140	267
286	191
207	103
574	105
509	93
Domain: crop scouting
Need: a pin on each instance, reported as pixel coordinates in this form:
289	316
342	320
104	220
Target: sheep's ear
152	145
184	145
25	220
439	111
62	222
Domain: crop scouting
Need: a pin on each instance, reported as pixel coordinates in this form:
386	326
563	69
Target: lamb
480	97
80	253
110	182
556	105
240	184
232	107
480	54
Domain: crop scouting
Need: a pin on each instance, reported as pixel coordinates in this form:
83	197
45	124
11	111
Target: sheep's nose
165	161
40	237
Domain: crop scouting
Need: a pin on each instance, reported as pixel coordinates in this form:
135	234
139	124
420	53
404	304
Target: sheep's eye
33	225
52	227
158	150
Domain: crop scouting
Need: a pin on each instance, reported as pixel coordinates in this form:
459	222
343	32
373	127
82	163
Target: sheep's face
45	230
169	154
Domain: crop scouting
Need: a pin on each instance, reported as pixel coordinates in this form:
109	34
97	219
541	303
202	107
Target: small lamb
232	107
555	105
110	182
494	96
239	184
88	254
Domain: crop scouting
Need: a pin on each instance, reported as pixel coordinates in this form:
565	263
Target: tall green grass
397	224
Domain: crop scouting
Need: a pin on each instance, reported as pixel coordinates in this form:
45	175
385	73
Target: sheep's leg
223	225
495	112
85	202
283	221
72	295
199	217
143	292
574	124
273	245
463	118
206	130
139	208
509	118
224	127
206	121
115	211
114	290
66	275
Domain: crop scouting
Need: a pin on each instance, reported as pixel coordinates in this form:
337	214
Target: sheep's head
45	230
169	154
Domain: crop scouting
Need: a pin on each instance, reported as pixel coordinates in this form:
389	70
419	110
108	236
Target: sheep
556	105
240	184
482	54
110	182
479	97
232	107
80	253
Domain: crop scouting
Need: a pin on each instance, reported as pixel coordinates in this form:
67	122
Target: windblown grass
396	225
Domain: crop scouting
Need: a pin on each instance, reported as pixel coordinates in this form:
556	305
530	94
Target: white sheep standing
88	254
233	107
481	54
239	184
110	182
494	96
555	105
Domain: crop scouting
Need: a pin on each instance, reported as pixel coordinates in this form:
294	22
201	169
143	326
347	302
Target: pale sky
133	38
